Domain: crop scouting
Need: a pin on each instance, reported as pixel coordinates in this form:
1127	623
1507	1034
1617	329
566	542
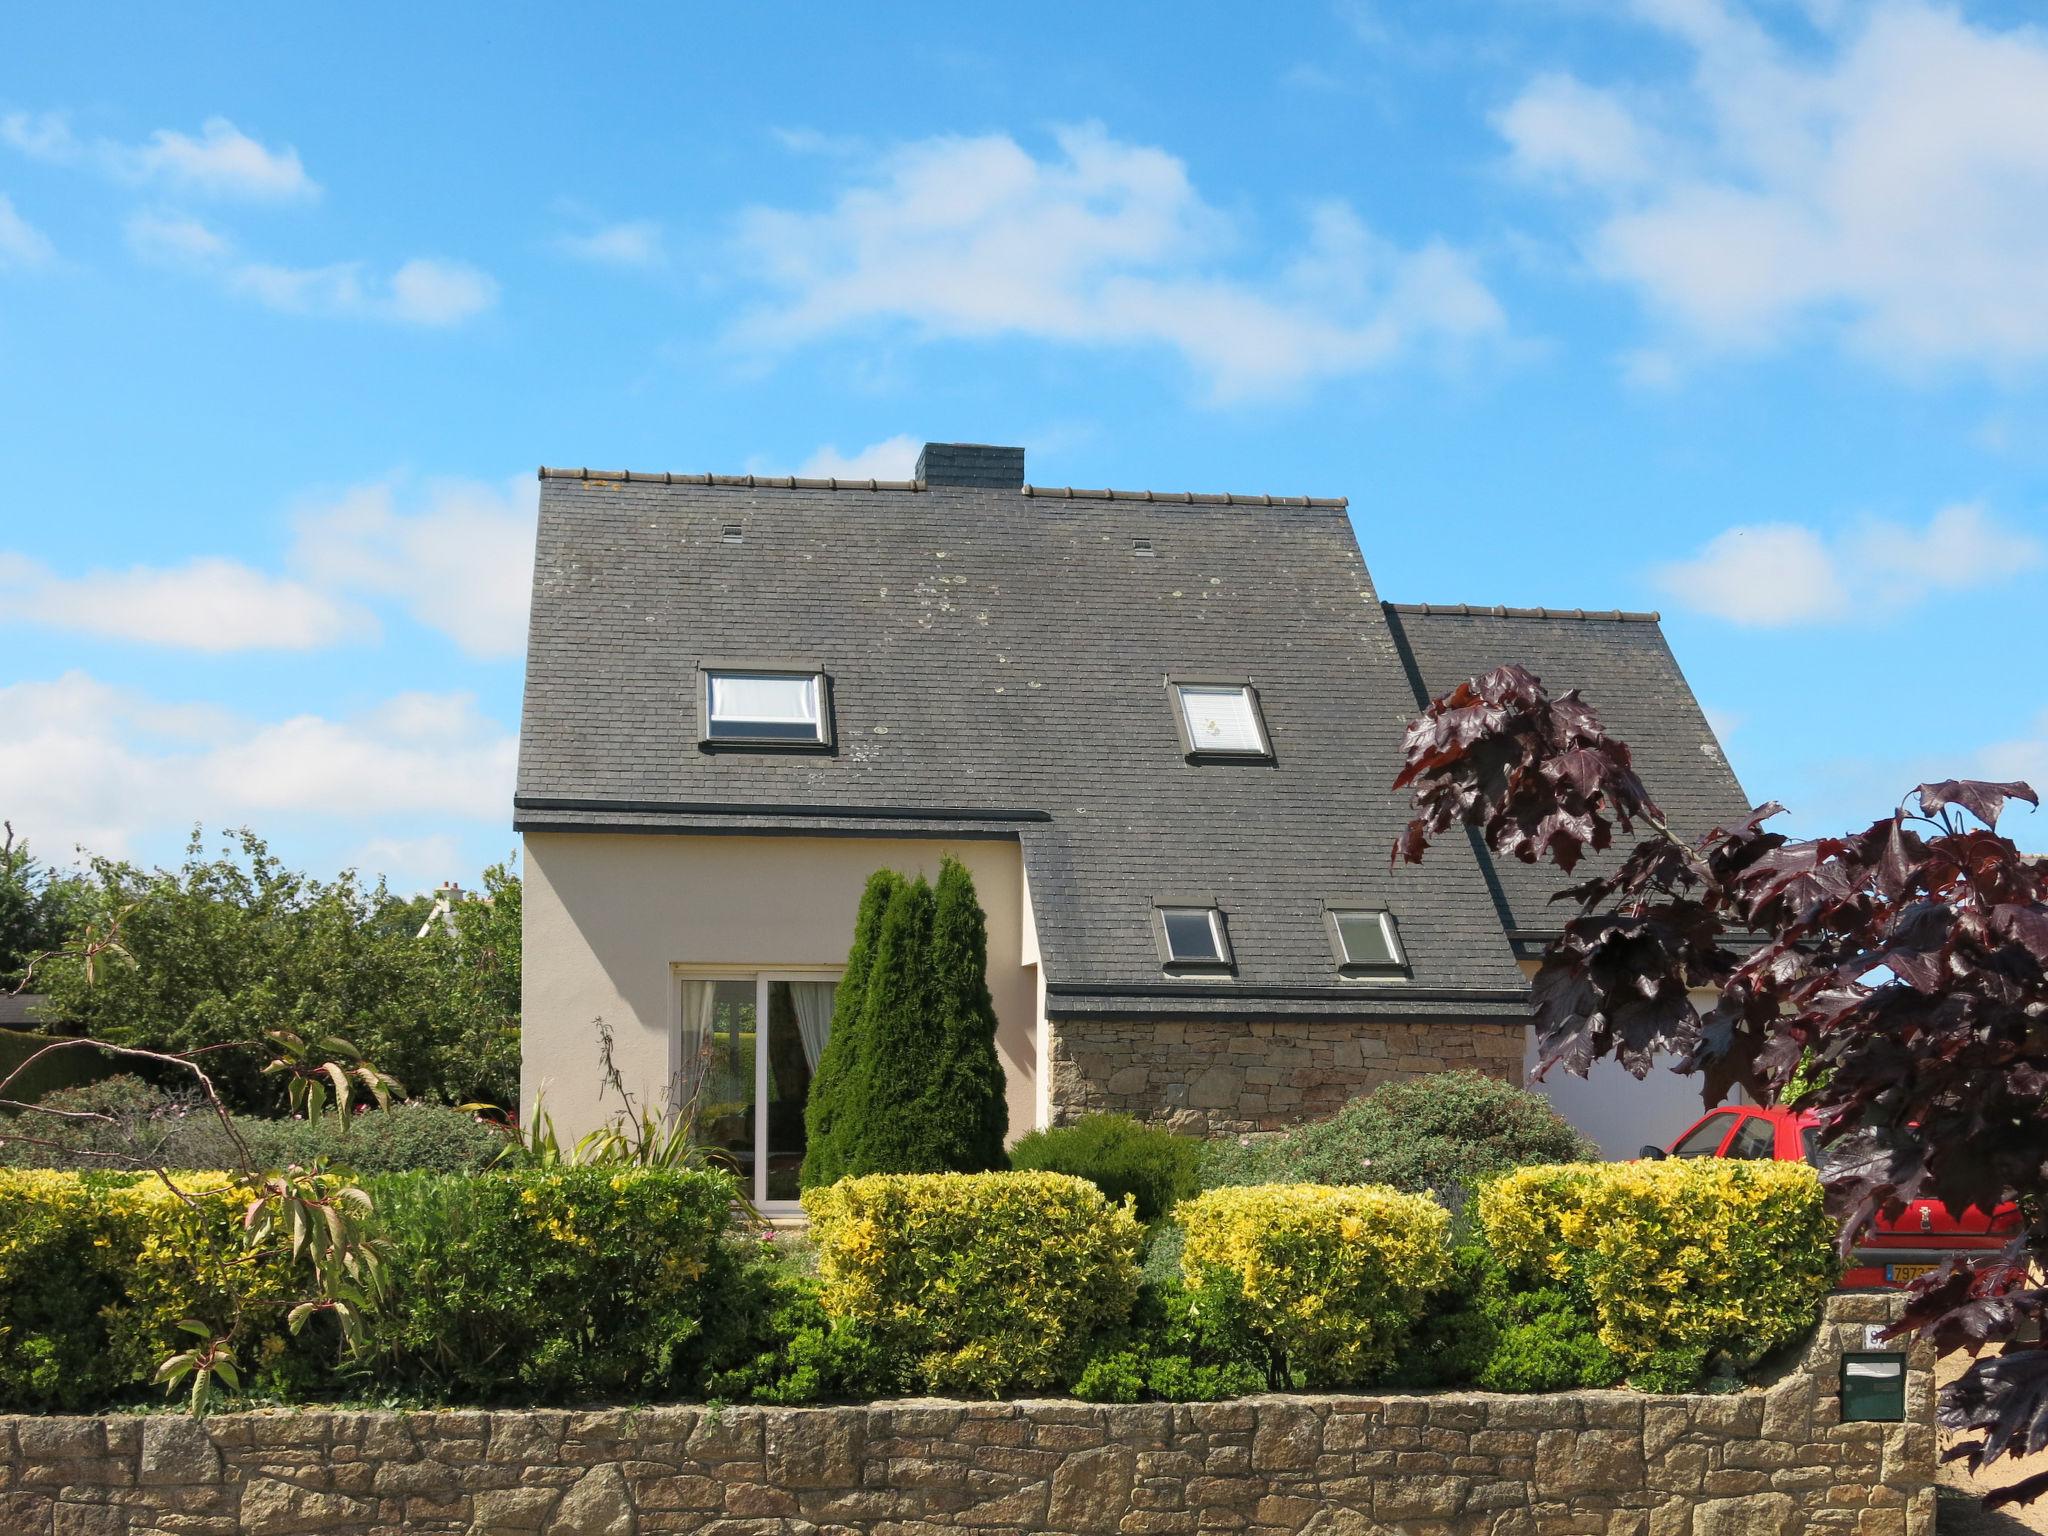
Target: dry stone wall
1776	1462
1233	1078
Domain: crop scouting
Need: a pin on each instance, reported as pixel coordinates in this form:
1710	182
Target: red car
1899	1250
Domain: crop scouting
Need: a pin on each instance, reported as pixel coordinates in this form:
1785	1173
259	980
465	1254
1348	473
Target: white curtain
693	1052
778	700
813	1000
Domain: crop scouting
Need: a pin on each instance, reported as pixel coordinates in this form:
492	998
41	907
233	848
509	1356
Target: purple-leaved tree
1899	973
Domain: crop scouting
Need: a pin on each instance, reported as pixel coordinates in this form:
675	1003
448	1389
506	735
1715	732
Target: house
1158	728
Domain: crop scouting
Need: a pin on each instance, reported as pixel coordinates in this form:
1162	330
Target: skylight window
765	707
1193	937
1366	940
1219	720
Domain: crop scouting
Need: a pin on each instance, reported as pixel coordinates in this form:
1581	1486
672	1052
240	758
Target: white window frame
1219	928
1390	930
1177	687
812	672
757	1186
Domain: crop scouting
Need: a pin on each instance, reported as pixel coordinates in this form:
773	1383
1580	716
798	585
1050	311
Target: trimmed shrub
1120	1156
827	1110
965	1110
1333	1279
1185	1344
1444	1134
151	1126
546	1286
981	1283
97	1270
407	1138
1689	1267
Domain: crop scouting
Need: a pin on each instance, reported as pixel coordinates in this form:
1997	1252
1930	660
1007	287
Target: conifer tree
965	1109
881	1129
824	1111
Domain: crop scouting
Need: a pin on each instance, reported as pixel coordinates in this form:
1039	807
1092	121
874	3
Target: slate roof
998	660
1623	667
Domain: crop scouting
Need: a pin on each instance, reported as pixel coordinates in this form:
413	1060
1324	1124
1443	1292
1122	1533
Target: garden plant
1897	974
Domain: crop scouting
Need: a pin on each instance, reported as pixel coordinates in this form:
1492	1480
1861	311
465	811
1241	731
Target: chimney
971	464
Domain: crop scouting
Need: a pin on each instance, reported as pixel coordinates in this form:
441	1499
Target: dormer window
1219	720
1366	940
765	706
1192	938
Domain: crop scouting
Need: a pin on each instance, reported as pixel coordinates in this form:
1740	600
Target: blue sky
1736	313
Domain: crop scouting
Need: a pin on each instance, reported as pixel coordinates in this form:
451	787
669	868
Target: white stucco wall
1621	1112
609	917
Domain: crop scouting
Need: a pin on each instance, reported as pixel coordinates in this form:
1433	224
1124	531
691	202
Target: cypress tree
825	1111
881	1129
966	1108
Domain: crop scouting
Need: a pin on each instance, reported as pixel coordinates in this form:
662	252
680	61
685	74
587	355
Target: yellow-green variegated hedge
980	1282
1681	1261
1332	1277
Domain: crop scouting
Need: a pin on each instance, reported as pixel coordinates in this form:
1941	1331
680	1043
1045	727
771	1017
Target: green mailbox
1873	1387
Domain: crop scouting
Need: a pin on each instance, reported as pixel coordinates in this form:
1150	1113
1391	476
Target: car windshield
1810	1140
1705	1138
1757	1138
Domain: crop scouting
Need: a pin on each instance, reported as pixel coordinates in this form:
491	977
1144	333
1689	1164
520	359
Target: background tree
39	908
966	1106
1901	972
825	1110
227	949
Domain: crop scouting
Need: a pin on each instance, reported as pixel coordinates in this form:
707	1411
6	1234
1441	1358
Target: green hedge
1119	1156
519	1286
1332	1280
977	1282
1689	1268
1445	1134
149	1126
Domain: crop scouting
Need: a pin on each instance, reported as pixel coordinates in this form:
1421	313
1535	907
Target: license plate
1906	1274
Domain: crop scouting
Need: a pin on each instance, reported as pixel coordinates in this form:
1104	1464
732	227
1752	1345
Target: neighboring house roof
997	655
1622	666
22	1010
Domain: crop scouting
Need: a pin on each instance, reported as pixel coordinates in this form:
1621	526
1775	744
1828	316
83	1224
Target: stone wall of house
1773	1462
1231	1078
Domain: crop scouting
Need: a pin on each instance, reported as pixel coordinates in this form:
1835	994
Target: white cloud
206	604
222	161
1101	243
1559	127
85	762
455	555
458	556
21	243
634	243
410	865
173	238
893	458
421	292
1894	185
1774	574
2023	757
1767	574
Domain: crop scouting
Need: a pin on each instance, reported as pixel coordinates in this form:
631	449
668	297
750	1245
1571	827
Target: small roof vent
975	465
1142	548
734	532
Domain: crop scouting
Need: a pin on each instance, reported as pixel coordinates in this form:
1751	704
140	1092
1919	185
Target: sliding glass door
747	1049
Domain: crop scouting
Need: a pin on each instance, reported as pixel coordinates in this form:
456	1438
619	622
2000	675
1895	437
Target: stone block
599	1504
1288	1437
1763	1514
816	1448
1091	1492
176	1449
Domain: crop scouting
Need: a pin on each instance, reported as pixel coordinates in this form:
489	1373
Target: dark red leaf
1981	799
